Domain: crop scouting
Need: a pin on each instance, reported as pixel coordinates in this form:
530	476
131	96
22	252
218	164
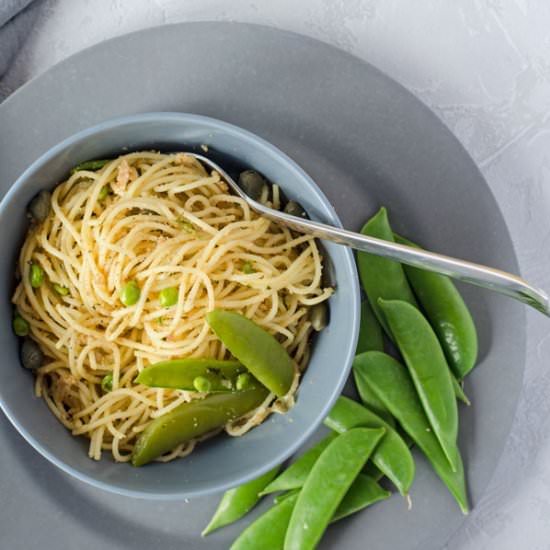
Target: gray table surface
484	67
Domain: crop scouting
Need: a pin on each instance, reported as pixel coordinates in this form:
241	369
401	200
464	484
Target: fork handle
468	272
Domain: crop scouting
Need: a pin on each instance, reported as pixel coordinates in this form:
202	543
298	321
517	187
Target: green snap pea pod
448	314
370	339
181	373
370	331
392	456
369	399
392	383
363	492
269	530
193	419
459	391
429	371
295	475
107	383
255	348
283	496
325	487
91	165
382	278
369	325
237	502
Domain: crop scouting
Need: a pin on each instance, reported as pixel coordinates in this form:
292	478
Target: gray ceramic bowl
222	462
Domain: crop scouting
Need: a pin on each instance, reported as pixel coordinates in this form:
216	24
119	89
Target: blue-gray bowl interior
223	461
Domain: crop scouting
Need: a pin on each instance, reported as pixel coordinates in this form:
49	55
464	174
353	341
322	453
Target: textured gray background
484	68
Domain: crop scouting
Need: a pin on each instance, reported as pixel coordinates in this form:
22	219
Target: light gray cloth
16	19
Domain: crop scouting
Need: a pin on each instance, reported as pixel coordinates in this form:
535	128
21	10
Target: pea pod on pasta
181	373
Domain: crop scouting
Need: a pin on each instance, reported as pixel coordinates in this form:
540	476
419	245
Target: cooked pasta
156	220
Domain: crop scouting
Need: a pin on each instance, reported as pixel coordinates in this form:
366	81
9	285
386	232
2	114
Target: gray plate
367	142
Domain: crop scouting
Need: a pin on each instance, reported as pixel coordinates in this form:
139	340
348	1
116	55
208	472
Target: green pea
244	381
37	276
202	384
103	192
129	293
60	289
237	502
20	326
168	297
248	268
107	383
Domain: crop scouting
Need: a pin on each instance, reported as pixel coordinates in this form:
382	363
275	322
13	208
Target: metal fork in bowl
468	272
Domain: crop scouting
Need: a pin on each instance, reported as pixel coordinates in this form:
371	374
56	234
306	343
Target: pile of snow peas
232	387
406	400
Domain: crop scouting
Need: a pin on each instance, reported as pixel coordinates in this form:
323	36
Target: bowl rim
323	204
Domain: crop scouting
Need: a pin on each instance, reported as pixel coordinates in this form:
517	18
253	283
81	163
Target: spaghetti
160	220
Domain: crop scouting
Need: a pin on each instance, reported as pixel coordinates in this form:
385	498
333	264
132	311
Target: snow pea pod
237	502
382	278
325	487
255	348
193	419
295	475
269	530
282	496
363	492
392	456
370	400
370	339
180	373
447	313
429	371
91	165
392	383
459	391
370	331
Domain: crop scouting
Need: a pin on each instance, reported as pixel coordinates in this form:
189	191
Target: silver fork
468	272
